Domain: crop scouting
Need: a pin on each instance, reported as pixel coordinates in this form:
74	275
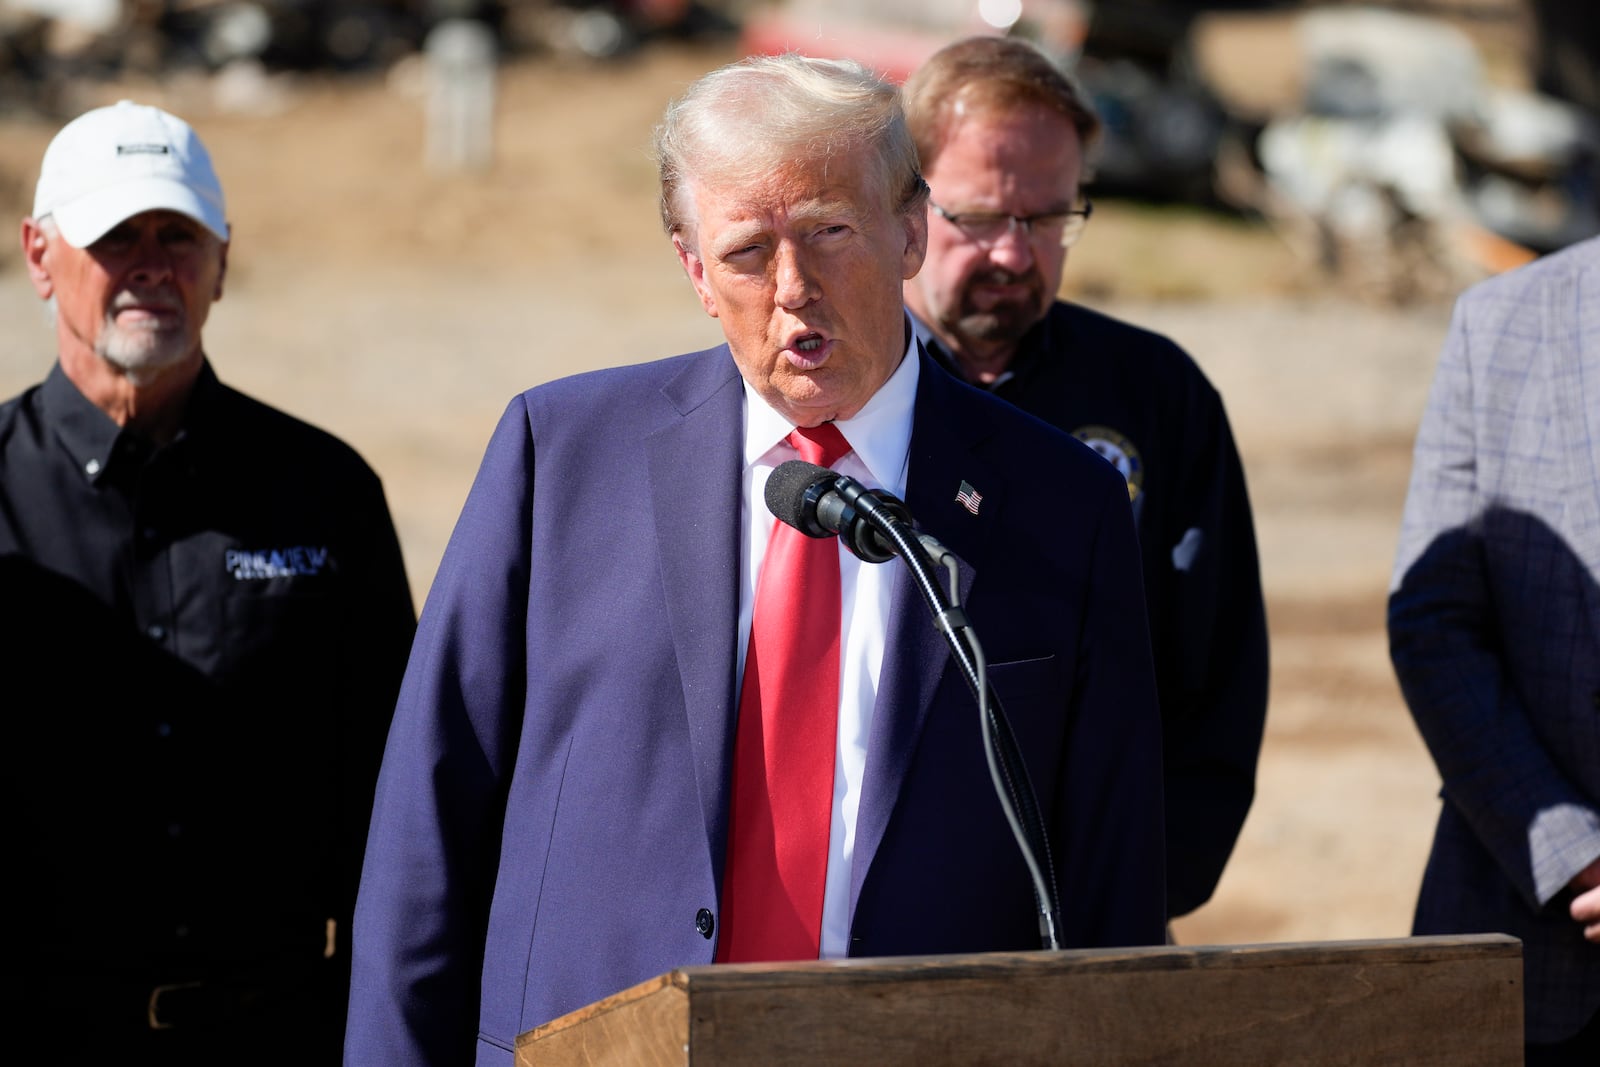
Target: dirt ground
402	309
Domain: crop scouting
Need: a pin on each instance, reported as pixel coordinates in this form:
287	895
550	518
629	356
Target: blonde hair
742	122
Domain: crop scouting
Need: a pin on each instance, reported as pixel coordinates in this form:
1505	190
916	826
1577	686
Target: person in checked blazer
1494	631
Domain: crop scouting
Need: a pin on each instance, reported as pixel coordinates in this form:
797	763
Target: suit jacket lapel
696	474
946	427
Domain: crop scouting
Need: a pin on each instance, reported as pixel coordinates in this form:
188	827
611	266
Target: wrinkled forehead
795	189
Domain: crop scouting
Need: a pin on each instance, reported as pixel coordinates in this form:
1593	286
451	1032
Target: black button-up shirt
202	644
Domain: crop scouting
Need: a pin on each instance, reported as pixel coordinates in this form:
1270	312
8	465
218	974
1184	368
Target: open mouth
809	350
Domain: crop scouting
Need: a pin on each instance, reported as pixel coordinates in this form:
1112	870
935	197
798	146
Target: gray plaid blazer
1494	622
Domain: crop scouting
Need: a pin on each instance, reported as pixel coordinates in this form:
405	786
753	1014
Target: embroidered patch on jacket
1119	451
297	561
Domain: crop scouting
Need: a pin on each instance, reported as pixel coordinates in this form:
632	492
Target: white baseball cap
112	163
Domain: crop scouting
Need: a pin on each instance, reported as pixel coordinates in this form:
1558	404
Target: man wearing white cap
205	615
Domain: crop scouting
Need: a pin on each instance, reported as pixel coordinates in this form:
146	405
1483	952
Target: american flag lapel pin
969	497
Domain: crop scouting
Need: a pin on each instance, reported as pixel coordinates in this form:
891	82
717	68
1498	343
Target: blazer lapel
946	426
695	477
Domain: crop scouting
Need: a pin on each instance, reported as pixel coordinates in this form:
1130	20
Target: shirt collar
879	434
89	434
93	439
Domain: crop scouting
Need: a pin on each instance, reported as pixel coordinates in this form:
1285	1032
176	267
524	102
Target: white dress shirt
880	441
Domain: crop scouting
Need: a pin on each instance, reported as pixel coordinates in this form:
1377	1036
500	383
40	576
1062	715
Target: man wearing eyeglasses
1003	134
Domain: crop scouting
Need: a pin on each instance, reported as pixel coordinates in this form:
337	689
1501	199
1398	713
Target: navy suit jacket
1494	622
552	811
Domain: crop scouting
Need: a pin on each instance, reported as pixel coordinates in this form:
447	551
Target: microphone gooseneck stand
1006	768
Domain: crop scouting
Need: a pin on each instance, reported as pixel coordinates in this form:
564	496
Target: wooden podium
1451	1001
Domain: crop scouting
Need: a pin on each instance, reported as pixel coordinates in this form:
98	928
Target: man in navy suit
1494	629
553	816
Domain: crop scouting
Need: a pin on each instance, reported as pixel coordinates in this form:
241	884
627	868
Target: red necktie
784	745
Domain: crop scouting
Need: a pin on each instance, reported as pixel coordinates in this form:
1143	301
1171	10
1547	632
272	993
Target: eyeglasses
986	229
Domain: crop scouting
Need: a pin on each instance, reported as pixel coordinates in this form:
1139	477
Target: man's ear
916	250
222	266
695	268
34	244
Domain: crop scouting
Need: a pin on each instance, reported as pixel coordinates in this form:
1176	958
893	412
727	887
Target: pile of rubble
1402	166
47	46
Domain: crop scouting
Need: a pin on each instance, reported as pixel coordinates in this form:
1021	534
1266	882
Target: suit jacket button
704	923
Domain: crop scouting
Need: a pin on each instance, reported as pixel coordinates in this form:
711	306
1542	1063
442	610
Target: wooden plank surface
647	1026
1446	1001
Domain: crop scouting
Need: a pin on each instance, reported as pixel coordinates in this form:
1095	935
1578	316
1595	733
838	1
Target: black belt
209	1002
214	1003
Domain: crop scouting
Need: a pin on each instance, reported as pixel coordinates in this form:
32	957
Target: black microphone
820	503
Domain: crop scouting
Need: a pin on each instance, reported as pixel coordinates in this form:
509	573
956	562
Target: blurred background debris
1396	151
461	75
48	48
1402	161
1401	149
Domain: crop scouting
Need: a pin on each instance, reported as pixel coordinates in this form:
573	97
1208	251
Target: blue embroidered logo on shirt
300	560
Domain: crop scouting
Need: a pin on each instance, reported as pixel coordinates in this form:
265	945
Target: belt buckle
153	1011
